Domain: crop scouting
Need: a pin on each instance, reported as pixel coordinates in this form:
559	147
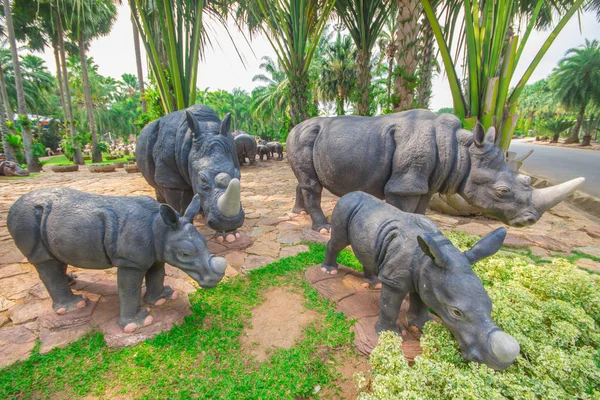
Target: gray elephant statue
57	226
275	148
405	158
246	147
192	152
406	254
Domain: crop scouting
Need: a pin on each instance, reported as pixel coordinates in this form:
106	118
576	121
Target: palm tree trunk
9	112
555	137
574	138
77	155
298	99
8	150
32	162
59	79
409	12
138	62
427	64
363	61
89	106
390	53
339	103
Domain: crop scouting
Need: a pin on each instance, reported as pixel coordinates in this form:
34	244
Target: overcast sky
222	68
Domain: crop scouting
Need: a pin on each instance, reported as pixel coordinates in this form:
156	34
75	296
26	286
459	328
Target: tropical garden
331	57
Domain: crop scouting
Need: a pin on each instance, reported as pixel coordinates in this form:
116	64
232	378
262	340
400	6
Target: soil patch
277	323
345	384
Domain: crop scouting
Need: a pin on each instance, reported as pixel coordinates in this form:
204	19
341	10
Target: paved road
560	164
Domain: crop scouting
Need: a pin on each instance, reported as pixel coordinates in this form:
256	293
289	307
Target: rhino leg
156	292
312	201
179	199
252	158
54	277
299	205
132	316
337	243
416	204
390	301
418	313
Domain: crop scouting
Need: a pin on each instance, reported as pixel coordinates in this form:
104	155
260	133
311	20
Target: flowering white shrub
553	310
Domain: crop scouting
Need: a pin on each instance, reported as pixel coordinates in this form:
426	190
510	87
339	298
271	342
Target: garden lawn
203	357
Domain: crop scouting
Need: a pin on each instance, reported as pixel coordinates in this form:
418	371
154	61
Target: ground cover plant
203	357
552	309
62	160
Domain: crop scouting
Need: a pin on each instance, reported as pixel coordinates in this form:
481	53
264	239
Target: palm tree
32	163
388	46
427	65
556	126
409	13
590	126
575	82
338	72
293	28
92	19
138	61
364	19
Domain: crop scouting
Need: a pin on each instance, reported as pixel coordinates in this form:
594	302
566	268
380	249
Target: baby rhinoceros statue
58	226
407	254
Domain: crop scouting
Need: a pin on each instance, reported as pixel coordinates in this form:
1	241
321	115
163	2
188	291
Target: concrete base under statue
356	302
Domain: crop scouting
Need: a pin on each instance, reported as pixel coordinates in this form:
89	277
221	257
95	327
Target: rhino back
383	238
92	231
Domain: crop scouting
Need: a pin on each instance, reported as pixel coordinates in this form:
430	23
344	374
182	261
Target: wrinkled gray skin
192	152
9	168
54	227
275	148
409	256
246	148
405	158
263	152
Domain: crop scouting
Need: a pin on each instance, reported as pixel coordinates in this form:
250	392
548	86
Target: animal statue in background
405	158
57	226
192	152
275	148
246	147
407	255
10	168
263	152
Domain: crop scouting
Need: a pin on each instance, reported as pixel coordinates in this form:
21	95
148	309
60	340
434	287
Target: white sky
222	68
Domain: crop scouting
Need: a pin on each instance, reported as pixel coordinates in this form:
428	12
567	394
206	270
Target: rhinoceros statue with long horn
405	158
192	152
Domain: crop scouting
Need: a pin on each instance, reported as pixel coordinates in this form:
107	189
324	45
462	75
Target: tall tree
293	28
5	115
556	126
492	52
138	61
427	65
338	72
409	13
364	19
388	45
32	162
92	19
575	82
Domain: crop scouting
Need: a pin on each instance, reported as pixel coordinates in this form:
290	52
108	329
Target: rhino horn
229	202
545	199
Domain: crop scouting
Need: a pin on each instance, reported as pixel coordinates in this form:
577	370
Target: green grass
18	178
202	358
64	160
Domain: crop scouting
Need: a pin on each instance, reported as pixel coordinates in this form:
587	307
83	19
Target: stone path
351	298
270	232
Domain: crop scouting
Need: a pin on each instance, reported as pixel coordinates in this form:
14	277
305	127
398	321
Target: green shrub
553	310
102	147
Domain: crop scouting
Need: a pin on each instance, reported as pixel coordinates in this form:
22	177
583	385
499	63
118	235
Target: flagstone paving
271	231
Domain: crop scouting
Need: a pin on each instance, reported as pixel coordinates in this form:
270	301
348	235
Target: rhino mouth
214	272
498	352
524	220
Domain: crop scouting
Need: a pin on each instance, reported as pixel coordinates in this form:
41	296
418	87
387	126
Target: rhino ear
169	216
431	248
226	124
479	135
193	208
192	124
487	246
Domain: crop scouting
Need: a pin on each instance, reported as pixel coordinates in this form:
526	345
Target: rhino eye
203	180
456	313
503	190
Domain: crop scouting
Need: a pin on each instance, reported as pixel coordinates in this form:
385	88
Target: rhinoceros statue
407	255
192	152
405	158
10	168
246	147
57	226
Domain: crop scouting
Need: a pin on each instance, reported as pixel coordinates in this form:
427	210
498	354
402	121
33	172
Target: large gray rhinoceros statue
57	226
405	158
407	255
192	152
